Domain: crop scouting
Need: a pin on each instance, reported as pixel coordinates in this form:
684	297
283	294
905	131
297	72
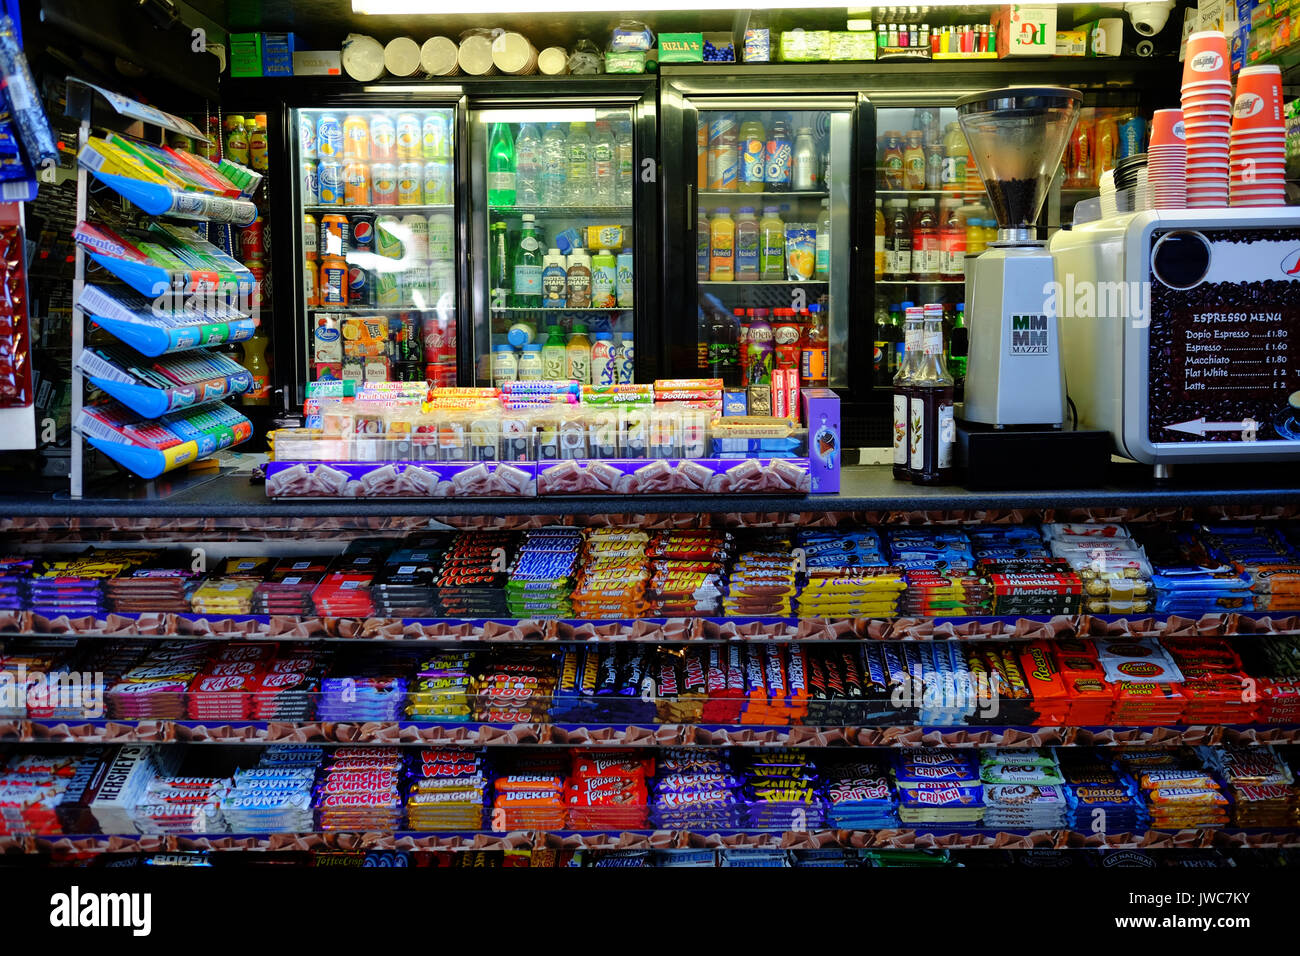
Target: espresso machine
1015	375
1182	332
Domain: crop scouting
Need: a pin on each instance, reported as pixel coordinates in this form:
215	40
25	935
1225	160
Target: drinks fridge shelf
391	208
748	282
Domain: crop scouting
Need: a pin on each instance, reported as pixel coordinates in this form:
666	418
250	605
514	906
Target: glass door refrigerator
932	217
762	213
563	235
377	238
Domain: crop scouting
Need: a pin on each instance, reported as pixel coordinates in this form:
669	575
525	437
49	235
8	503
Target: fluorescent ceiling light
489	7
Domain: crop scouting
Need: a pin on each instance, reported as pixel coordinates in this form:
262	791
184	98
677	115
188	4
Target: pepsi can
361	287
310	183
330	189
329	136
363	232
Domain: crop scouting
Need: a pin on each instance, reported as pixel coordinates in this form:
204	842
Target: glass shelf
560	212
747	282
565	308
421	207
737	194
920	282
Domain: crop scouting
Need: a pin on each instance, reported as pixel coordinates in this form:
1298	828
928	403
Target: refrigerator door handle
690	205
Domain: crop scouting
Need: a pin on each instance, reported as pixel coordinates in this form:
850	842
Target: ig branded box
245	54
277	54
821	413
1025	29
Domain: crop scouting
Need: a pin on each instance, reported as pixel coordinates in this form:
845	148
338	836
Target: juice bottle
701	245
747	244
577	355
990	232
753	156
604	360
952	242
954	158
914	161
1106	137
891	160
554	356
925	242
822	258
974	234
254	359
722	246
771	245
880	238
898	242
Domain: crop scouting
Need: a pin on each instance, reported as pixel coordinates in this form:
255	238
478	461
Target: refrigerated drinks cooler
378	242
762	209
932	217
562	242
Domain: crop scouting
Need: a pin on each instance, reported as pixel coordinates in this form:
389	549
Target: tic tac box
821	413
245	54
277	54
1025	29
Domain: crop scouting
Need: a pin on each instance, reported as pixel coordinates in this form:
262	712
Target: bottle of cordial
932	432
912	332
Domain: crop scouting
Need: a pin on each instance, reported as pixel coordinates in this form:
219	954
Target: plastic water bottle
603	168
577	150
528	166
555	167
625	164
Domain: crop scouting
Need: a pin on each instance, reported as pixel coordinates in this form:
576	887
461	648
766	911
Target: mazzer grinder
1015	373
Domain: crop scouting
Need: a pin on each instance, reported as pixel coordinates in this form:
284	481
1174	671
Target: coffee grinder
1015	375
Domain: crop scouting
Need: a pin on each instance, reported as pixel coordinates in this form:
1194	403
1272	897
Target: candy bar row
626	573
1126	681
297	789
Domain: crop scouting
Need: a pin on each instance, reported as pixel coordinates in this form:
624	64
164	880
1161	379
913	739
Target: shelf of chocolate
406	733
899	838
432	629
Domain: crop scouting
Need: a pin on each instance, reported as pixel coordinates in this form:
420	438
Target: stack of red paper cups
1167	160
1207	116
1258	150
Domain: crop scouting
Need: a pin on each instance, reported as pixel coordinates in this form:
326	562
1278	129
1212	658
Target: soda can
356	137
331	183
416	233
306	137
361	287
333	287
404	332
309	277
441	231
363	231
252	243
409	136
383	184
410	184
442	286
335	236
329	136
433	332
437	136
408	372
387	237
383	138
387	293
310	183
356	184
310	237
437	182
258	271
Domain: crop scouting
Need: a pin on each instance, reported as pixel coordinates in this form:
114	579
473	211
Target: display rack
144	393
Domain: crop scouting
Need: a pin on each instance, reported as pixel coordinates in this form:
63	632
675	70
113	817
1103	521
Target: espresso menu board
1224	341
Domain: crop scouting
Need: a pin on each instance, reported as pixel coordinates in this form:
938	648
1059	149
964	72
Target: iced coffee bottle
912	332
931	430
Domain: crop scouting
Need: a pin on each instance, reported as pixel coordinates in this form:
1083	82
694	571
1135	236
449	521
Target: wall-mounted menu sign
1224	340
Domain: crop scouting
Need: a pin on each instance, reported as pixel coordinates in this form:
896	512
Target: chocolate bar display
550	439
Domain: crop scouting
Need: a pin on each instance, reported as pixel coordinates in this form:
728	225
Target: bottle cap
503	348
578	328
604	337
532	348
722	211
747	210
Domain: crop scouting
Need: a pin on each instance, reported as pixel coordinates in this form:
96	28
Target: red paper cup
1206	58
1258	102
1166	129
1206	99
